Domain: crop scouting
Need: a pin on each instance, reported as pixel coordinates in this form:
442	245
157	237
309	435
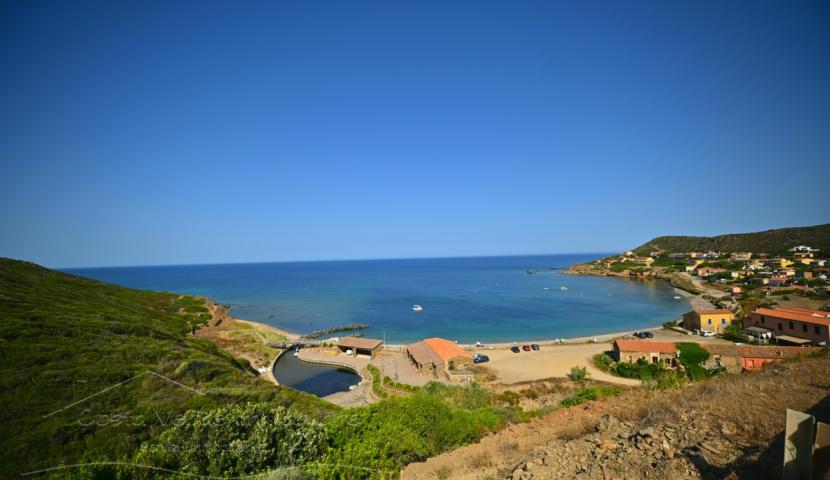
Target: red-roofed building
800	323
434	353
655	352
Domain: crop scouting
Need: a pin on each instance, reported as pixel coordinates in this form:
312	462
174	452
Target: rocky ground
730	427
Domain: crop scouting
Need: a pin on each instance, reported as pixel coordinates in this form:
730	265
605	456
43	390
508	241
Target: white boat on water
676	297
563	288
417	308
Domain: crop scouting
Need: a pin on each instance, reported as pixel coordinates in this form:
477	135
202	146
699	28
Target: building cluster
801	268
731	357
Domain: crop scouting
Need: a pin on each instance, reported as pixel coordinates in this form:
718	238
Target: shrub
236	440
603	362
377	387
587	394
579	374
670	324
735	333
375	441
509	397
641	370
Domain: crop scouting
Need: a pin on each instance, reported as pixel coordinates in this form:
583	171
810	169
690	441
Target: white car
707	334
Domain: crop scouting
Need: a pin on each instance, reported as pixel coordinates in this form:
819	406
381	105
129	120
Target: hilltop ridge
770	241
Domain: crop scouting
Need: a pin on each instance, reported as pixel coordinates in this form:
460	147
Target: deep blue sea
484	299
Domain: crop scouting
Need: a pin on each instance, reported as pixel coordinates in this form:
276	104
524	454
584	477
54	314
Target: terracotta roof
435	350
645	346
755	351
813	317
357	342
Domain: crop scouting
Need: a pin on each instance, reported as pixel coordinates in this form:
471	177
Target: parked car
535	346
479	358
707	334
648	335
526	348
514	349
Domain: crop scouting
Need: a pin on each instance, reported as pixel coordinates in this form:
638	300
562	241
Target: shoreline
694	300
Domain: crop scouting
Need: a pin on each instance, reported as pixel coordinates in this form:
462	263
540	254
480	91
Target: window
792	326
803	327
818	330
723	321
710	321
780	326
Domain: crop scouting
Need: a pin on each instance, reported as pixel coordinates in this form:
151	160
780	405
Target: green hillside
90	370
770	241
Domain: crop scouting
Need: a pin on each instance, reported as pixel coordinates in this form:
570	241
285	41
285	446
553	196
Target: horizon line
264	262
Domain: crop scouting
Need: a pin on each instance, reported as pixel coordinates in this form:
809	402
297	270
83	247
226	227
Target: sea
480	299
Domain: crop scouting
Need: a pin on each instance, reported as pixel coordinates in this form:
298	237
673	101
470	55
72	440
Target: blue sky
196	132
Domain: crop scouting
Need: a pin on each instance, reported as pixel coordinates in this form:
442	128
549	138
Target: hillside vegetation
112	378
771	241
90	370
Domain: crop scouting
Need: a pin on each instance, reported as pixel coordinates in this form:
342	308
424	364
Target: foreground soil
731	427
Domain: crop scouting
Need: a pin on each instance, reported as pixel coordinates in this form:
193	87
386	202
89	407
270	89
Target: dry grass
747	409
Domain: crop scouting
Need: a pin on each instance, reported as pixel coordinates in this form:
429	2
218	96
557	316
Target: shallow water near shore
487	299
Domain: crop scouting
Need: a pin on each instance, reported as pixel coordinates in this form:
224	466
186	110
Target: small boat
563	288
547	288
417	308
676	297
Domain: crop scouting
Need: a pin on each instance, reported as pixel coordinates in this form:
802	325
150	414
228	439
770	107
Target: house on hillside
653	352
715	320
740	256
803	249
780	262
434	354
748	357
793	326
647	261
709	271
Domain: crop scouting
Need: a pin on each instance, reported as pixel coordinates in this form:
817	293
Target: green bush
735	333
587	394
578	374
377	387
603	362
235	440
375	441
691	354
641	370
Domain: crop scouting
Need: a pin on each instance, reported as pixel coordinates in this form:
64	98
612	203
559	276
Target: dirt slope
730	427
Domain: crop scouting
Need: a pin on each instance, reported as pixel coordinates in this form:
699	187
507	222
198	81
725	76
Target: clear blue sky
196	132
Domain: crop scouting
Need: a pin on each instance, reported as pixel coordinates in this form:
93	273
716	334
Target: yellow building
708	320
642	260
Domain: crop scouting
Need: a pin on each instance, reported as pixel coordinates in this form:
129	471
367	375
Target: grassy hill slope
90	370
771	241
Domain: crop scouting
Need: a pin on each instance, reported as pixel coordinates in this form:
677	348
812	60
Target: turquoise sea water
465	299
